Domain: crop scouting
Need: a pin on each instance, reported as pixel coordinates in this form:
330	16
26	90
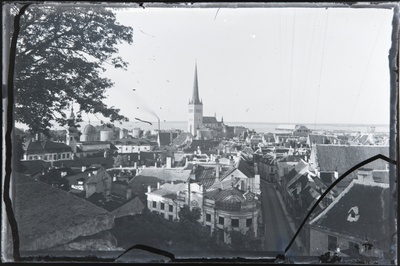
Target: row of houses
353	216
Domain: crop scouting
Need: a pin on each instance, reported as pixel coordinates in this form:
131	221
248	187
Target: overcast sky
287	65
280	65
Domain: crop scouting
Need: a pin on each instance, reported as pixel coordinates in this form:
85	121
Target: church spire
72	115
195	96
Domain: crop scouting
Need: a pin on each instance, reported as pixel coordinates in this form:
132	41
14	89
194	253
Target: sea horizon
262	127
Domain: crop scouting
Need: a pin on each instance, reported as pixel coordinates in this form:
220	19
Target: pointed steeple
195	96
72	115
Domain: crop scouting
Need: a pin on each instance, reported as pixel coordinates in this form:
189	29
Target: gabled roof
167	175
360	211
182	139
170	190
165	138
342	157
205	176
204	145
321	139
46	146
246	168
209	120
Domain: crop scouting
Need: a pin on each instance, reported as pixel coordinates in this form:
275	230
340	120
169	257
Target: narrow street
278	233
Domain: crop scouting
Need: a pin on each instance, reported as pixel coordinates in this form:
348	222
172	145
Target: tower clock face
194	203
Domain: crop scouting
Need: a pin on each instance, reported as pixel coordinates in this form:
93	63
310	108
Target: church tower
72	132
195	110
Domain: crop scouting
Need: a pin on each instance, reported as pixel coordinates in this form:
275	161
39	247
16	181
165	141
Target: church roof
89	129
209	120
195	97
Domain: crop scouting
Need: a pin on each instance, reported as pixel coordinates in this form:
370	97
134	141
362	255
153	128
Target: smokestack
158	124
158	185
148	189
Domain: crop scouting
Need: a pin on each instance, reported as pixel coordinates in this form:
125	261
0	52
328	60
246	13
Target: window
67	155
170	208
30	158
235	222
154	204
45	157
170	217
35	157
249	222
63	155
221	220
332	242
162	206
208	217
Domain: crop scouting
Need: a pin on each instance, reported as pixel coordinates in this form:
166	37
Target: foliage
18	152
150	228
185	214
247	241
121	160
61	54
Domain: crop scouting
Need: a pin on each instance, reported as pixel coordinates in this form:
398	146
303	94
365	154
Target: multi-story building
222	210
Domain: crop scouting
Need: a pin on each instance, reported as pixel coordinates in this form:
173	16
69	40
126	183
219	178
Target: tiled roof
46	146
342	157
209	120
167	175
36	166
321	139
170	190
369	202
204	145
246	168
165	138
205	176
85	161
182	139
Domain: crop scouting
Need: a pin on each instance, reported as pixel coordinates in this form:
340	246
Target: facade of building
128	145
221	209
47	151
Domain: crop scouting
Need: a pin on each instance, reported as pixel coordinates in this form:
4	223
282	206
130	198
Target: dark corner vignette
394	153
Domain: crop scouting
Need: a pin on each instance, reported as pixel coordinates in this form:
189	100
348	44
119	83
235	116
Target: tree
61	54
121	160
185	214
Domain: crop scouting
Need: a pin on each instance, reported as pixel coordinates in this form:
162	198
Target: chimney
172	182
114	178
217	169
83	168
128	193
155	164
365	174
169	164
158	185
148	189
